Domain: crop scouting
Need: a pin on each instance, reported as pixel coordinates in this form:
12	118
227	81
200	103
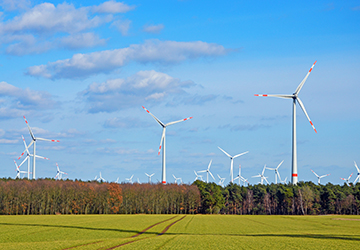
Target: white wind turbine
295	98
130	179
232	162
149	176
177	179
59	173
138	181
358	174
34	139
221	182
162	142
100	178
117	180
18	171
262	176
347	180
319	177
207	172
198	177
277	174
28	155
240	178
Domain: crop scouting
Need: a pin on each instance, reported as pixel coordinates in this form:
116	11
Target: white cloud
154	29
11	5
112	7
122	26
116	94
155	51
17	101
82	40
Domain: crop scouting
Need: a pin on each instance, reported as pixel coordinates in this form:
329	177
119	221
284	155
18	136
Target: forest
49	196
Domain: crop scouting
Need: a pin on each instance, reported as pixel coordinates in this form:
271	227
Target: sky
80	72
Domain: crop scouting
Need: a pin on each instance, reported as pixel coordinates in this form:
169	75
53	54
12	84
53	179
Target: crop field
179	232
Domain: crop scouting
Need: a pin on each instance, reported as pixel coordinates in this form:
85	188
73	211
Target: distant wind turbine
177	179
59	173
347	180
198	177
277	174
358	174
100	178
130	179
221	182
262	176
319	177
295	98
34	139
232	162
18	171
162	141
240	177
207	172
149	176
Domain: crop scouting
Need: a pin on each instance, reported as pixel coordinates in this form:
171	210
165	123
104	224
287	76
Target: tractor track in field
91	243
162	232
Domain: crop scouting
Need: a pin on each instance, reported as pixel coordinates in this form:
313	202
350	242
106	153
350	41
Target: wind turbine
358	174
319	177
232	162
34	139
221	182
177	179
100	178
277	174
347	180
59	173
207	172
162	142
28	155
138	181
130	179
149	175
294	97
117	180
198	177
262	176
18	171
240	177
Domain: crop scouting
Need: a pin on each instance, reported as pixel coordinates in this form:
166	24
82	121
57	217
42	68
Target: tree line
49	196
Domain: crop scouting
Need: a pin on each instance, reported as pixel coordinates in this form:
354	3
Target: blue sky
80	72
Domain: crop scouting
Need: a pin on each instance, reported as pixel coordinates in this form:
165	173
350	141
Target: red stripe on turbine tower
294	175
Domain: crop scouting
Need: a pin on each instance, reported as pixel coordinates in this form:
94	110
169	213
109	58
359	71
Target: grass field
179	232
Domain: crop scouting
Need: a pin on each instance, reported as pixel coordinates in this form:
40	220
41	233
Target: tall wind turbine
149	175
295	97
162	142
59	173
18	171
262	176
34	139
198	177
100	178
277	174
221	182
232	162
130	179
347	180
319	177
207	172
240	177
358	174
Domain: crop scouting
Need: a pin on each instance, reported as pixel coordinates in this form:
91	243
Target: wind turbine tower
162	142
232	162
295	98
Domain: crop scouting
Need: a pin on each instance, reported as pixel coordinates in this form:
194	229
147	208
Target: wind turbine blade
152	174
147	175
279	165
31	133
42	139
156	119
350	176
314	173
202	171
171	123
212	175
303	81
278	96
259	175
27	157
237	177
357	167
324	175
356	179
266	180
162	139
264	169
303	108
225	152
240	154
41	157
26	149
209	165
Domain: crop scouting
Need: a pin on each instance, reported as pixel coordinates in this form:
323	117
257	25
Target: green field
179	232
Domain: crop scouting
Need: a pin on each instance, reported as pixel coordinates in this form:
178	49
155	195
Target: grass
189	232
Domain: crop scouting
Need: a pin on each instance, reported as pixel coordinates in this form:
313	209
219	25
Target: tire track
168	227
146	229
